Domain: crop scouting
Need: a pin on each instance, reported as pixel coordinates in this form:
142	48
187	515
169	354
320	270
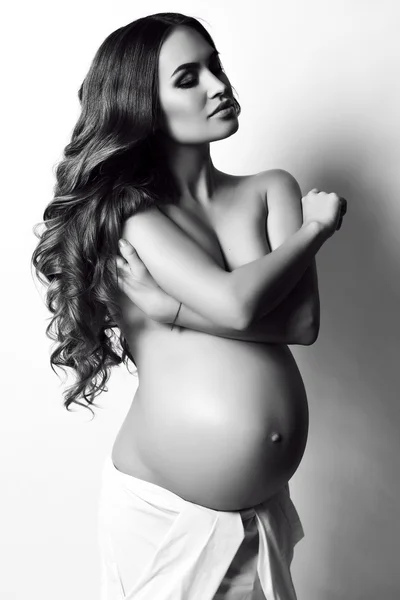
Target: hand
327	209
141	288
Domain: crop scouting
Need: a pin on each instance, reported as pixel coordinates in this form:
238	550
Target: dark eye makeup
185	83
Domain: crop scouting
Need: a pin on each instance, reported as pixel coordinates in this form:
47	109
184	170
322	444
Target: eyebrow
193	64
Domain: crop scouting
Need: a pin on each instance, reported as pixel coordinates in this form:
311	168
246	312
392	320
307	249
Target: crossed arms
296	319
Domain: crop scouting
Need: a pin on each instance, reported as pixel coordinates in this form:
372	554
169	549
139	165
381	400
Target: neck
193	170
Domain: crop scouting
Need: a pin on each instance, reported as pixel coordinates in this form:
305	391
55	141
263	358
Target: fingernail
122	243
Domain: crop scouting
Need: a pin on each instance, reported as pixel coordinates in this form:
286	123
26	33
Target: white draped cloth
154	545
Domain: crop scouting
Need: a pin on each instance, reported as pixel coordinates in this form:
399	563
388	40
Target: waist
161	351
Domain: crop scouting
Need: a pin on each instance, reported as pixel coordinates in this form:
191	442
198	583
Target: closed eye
185	83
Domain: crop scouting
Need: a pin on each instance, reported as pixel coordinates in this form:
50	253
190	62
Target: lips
224	104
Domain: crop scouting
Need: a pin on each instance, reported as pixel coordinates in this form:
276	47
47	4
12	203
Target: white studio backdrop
318	83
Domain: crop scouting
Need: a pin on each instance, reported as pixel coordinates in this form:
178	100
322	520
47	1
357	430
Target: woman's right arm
230	299
262	284
285	324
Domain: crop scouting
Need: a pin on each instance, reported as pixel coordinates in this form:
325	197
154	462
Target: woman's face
189	95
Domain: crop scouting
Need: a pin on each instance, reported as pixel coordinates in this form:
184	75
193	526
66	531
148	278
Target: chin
231	127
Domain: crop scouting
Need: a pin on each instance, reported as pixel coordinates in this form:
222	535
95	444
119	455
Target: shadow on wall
352	375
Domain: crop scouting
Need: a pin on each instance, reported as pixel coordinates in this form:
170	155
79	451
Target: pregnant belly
219	423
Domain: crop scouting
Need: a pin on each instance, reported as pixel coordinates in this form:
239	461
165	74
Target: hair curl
112	168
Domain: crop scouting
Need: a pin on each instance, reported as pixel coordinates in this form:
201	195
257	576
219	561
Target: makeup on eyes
182	83
194	64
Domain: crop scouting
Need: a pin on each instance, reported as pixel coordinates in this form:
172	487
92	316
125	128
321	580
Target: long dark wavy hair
112	168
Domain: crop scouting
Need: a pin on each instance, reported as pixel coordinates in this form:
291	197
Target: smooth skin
209	402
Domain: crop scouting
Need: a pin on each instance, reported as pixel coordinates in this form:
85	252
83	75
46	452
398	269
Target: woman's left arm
285	216
296	319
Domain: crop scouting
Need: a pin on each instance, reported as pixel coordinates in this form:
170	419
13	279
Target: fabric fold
154	545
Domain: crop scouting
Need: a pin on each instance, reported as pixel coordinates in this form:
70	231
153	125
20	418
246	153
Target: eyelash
191	82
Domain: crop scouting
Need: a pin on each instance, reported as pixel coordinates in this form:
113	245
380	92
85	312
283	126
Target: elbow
241	317
241	323
311	334
312	329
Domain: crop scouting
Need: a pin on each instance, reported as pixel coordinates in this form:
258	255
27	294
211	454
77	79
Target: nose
215	86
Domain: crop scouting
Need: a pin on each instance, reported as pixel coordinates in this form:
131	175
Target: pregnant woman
216	279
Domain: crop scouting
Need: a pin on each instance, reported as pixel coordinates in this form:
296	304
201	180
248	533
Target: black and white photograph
200	266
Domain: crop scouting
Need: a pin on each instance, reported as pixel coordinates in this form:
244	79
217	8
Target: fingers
124	244
128	252
121	263
129	266
343	210
122	270
343	202
126	247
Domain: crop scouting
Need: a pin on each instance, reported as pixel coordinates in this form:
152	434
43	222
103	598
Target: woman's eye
186	83
189	82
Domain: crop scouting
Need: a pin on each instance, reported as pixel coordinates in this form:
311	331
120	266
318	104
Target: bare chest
233	230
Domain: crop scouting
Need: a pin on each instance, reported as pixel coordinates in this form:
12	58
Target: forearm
290	322
310	293
262	284
294	321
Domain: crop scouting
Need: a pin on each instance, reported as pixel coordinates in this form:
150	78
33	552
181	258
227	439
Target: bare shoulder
261	178
260	190
274	178
241	186
242	196
277	184
272	175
